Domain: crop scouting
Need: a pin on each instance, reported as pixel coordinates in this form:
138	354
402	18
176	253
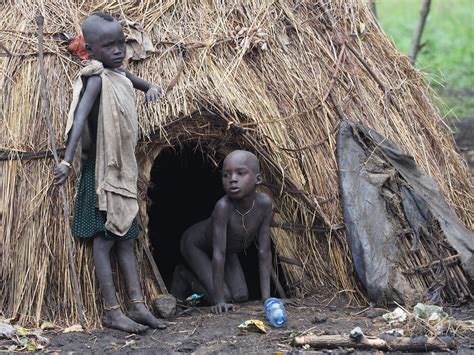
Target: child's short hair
103	15
88	26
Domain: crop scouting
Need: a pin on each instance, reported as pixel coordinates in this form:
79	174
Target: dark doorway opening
185	187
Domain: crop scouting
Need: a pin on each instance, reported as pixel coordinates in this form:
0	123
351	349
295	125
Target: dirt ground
201	332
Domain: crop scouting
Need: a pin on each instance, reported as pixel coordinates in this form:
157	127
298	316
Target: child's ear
259	179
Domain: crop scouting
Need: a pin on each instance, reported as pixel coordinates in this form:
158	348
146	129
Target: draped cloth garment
116	171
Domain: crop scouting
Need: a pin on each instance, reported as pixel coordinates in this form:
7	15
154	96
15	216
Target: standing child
210	247
103	120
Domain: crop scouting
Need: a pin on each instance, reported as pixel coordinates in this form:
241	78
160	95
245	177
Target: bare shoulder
264	201
223	207
94	83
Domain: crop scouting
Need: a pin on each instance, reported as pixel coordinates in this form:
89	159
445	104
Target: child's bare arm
92	90
152	91
219	241
264	249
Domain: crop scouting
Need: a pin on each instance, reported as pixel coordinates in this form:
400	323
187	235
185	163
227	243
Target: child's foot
117	320
139	313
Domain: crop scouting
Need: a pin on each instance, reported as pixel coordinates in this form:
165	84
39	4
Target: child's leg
185	283
235	279
180	286
114	318
137	310
201	264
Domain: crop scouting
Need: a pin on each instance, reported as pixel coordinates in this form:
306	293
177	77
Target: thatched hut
271	77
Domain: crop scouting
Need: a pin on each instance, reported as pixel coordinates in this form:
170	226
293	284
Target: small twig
336	294
360	312
199	323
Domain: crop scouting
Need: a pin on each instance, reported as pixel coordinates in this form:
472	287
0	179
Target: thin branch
415	42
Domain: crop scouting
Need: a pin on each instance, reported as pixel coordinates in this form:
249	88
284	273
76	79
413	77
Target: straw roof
275	77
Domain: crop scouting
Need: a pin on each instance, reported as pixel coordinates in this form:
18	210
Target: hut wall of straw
274	77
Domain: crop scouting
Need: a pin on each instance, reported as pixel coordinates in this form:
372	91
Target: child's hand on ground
153	94
61	172
222	307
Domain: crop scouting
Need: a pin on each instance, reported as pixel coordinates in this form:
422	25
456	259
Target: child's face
238	179
108	44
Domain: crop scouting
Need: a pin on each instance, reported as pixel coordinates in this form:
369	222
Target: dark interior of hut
185	187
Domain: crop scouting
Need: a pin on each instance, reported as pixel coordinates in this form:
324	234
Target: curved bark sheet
391	206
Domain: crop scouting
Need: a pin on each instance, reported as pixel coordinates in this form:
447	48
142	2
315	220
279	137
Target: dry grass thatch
271	76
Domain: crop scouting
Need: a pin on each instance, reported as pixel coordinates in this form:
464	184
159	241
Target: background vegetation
447	57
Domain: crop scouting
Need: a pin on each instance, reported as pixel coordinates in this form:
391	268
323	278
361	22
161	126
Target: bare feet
139	313
117	320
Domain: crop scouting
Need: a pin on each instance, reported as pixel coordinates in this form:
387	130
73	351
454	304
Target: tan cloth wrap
116	171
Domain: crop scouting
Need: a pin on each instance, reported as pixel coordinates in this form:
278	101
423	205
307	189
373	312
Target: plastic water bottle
275	311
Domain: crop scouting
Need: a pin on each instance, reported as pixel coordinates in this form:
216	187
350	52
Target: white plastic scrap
395	332
356	334
6	330
397	316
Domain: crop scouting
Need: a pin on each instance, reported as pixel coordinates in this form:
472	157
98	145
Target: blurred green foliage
448	55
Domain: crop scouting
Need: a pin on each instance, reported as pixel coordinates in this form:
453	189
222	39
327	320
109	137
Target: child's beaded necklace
242	216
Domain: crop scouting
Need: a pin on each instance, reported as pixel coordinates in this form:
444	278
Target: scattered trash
252	325
22	331
356	334
429	312
6	330
275	311
47	326
194	299
21	339
166	306
395	332
397	316
73	328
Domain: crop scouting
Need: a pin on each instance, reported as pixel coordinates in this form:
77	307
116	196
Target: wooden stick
47	115
421	343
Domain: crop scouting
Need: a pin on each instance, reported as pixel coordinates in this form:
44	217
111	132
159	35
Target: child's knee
240	296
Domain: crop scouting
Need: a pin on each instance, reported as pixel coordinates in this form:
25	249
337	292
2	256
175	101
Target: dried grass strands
289	99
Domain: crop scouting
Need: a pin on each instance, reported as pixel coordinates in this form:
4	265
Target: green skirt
88	220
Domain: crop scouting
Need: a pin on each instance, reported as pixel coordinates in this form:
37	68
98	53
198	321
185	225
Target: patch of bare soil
198	331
